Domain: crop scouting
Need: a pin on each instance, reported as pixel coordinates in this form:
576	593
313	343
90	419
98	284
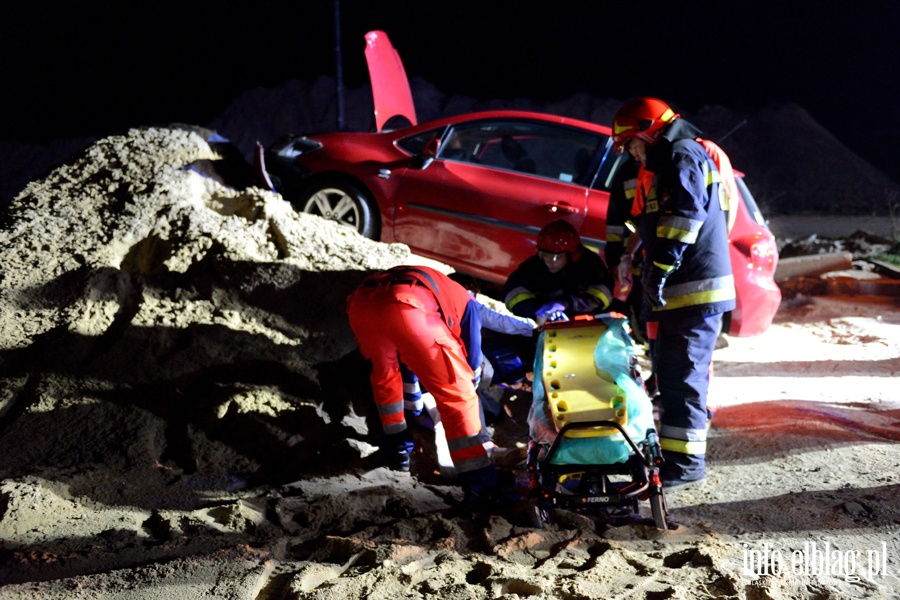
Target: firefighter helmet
643	119
558	236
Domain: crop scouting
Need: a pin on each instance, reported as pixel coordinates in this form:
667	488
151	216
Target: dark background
94	68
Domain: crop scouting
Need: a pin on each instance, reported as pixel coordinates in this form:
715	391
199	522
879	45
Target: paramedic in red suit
415	315
686	274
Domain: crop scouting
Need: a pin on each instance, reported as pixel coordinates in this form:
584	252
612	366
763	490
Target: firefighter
686	275
416	315
561	280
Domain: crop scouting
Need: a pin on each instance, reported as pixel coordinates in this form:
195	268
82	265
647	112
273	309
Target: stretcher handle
580	320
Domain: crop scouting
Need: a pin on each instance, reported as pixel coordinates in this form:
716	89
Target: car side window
416	144
461	144
544	150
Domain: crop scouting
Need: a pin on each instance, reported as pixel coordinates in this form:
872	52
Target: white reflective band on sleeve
683	433
725	282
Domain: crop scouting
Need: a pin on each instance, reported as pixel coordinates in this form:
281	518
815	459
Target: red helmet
558	236
643	119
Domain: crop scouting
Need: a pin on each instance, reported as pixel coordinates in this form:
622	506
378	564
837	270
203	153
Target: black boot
482	492
398	449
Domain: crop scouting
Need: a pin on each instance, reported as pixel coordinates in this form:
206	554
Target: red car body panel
479	220
754	257
479	215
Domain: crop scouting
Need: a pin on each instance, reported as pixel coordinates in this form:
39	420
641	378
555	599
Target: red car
473	190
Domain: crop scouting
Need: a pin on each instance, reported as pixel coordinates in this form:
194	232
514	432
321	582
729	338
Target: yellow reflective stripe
698	298
682	446
676	234
668	115
620	128
725	282
599	295
683	223
666	268
615	233
707	291
629	193
511	302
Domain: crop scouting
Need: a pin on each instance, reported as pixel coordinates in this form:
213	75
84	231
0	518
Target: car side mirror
428	153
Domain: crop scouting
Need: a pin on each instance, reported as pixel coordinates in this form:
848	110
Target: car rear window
750	202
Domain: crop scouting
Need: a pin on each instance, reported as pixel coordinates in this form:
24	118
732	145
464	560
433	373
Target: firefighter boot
482	492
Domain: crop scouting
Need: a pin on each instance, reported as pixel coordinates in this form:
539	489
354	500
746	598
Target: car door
492	186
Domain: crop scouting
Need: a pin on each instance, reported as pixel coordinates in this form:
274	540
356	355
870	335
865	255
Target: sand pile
183	414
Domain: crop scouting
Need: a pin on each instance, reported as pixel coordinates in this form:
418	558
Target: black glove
654	282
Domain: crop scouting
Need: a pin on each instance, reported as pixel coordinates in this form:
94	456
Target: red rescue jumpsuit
413	314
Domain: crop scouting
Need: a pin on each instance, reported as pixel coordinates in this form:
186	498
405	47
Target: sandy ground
183	415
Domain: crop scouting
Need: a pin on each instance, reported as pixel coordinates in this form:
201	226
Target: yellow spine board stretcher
577	390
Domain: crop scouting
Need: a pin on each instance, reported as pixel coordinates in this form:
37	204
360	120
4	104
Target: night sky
92	68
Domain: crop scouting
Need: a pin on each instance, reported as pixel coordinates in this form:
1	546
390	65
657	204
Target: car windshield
540	149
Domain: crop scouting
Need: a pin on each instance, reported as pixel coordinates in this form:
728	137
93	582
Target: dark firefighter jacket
683	225
583	285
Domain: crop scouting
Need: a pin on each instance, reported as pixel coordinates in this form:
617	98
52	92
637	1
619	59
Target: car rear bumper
757	303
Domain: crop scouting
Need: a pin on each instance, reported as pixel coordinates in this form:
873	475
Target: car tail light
760	251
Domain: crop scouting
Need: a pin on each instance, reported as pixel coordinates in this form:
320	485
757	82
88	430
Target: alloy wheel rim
334	204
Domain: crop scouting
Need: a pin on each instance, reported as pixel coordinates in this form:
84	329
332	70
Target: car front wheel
343	202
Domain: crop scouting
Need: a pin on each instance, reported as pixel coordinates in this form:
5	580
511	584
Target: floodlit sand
183	415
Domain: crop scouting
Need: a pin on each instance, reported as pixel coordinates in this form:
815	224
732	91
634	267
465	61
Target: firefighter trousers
402	322
683	354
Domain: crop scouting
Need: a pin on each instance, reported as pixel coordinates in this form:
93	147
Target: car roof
509	114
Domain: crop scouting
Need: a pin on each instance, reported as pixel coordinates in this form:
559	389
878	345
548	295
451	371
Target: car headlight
294	146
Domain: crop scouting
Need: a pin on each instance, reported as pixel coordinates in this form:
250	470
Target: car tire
343	202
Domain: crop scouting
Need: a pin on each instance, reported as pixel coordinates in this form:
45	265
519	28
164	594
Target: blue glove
552	311
653	288
550	307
